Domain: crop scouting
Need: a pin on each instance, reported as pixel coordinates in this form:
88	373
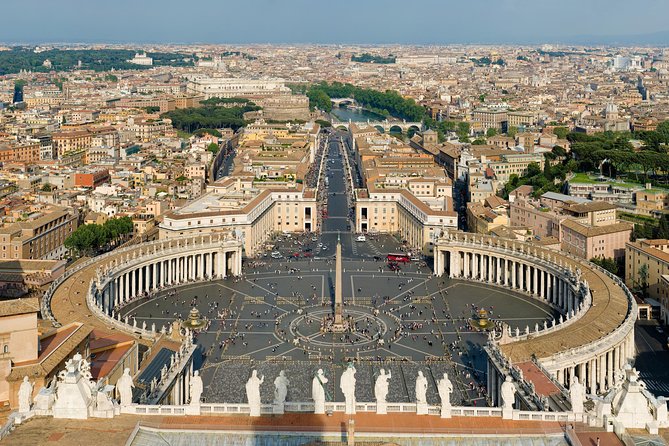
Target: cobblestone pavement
422	320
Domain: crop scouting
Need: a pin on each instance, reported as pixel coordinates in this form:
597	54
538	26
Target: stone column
536	281
601	370
592	376
142	271
549	287
126	287
609	369
513	274
542	282
581	373
467	264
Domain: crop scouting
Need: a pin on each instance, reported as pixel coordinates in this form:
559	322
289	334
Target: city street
652	356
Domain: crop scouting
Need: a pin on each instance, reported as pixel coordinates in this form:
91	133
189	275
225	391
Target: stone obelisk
339	301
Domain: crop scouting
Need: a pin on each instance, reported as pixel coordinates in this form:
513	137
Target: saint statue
445	388
508	393
421	388
381	391
124	385
195	389
25	395
318	391
253	393
576	395
347	386
281	388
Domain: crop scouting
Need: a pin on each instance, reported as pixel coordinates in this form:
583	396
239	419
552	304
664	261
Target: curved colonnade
114	279
594	337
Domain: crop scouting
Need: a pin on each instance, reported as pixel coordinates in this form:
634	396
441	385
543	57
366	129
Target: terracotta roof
594	231
592	206
19	306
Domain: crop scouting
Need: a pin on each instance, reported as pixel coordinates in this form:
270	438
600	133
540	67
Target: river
344	114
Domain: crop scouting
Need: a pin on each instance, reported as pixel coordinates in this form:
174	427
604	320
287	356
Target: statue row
347	385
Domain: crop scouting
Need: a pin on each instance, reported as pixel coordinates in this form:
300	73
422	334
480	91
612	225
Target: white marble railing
308	407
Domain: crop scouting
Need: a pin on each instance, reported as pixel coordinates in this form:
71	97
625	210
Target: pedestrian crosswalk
654	385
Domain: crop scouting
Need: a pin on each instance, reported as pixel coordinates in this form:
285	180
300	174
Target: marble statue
124	385
281	388
381	391
253	393
445	388
576	395
508	393
347	386
318	391
195	389
421	388
25	395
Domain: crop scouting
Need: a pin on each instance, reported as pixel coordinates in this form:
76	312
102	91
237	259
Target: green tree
607	263
491	132
561	132
320	100
213	148
512	131
643	278
47	188
663	228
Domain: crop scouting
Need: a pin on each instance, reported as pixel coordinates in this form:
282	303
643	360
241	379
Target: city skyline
301	22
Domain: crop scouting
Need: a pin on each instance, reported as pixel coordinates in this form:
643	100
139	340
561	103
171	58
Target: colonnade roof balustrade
612	304
66	299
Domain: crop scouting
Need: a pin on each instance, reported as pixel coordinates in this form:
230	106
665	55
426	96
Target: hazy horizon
347	22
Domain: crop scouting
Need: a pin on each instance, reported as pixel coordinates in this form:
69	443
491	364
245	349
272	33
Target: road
652	357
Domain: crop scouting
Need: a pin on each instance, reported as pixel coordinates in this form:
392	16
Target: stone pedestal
74	398
254	410
381	408
445	411
278	408
44	401
507	414
421	408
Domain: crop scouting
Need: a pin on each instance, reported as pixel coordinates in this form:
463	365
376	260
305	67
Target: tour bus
398	257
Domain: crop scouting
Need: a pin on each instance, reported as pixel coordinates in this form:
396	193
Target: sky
335	21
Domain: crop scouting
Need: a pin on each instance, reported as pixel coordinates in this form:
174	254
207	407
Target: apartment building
483	219
225	87
647	263
27	153
490	119
71	141
588	242
399	211
39	236
92	179
236	205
